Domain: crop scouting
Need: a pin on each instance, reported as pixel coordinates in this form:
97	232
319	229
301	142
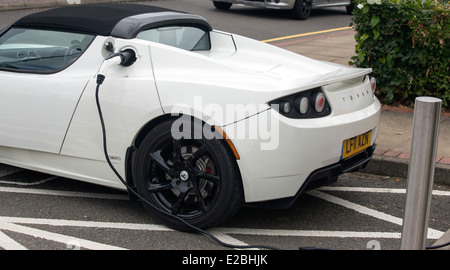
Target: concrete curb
27	4
397	167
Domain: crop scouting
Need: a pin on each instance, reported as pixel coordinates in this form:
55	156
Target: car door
40	86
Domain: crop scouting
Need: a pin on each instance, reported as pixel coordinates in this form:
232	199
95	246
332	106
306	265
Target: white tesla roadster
193	121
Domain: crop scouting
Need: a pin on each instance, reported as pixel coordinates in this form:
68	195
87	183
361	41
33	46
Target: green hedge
406	43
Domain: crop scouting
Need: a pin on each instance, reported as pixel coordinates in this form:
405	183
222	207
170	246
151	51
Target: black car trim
130	27
109	19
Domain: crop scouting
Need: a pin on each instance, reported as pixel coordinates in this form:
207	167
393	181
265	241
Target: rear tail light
318	100
285	107
373	84
303	106
308	104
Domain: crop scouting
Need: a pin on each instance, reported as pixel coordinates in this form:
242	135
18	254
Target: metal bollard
421	172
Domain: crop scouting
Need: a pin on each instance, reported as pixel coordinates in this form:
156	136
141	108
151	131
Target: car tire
222	5
302	9
193	179
350	8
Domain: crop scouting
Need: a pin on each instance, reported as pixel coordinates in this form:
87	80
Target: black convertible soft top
119	20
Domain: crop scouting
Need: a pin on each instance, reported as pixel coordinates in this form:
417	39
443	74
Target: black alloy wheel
302	9
188	177
222	5
350	8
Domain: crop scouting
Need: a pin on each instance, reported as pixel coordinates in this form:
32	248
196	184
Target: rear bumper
321	177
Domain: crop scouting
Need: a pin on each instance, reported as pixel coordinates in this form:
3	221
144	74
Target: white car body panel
129	100
36	109
255	73
82	169
81	156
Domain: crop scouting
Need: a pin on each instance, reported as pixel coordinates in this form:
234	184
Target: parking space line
432	233
306	34
223	233
64	193
86	224
308	233
56	237
8	243
220	232
110	225
378	190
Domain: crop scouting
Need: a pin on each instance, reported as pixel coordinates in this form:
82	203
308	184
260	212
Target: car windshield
183	37
34	50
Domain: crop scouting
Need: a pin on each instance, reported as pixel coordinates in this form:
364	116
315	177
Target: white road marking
8	243
218	230
56	237
308	233
86	224
378	190
64	193
94	224
222	233
125	197
432	233
307	34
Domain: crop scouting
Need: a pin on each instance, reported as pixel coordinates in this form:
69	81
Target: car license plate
355	145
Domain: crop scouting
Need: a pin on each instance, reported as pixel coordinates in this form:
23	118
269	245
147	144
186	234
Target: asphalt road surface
260	23
253	22
40	211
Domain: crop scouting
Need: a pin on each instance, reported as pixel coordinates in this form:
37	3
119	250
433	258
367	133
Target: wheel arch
145	130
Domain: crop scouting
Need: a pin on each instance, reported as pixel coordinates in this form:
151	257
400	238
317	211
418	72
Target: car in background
301	9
